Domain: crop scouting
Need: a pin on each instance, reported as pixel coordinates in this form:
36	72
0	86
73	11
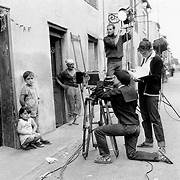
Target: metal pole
147	24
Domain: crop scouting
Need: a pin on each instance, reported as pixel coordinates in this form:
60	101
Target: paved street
31	165
124	169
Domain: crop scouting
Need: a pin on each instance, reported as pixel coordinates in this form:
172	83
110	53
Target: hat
109	78
123	76
69	61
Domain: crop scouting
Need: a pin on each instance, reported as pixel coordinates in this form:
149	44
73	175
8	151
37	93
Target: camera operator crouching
123	98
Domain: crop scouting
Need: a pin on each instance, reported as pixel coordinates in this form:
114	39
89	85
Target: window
93	3
92	54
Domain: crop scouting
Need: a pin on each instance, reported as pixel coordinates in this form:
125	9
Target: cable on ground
149	170
62	168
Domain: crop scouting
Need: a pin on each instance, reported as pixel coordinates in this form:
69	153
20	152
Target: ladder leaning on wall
77	38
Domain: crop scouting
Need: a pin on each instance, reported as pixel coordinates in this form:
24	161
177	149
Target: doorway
0	119
56	41
8	109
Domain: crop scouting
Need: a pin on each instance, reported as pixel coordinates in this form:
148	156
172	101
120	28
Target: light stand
168	103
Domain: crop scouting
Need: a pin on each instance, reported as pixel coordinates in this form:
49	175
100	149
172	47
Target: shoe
164	158
75	123
103	160
33	146
70	124
145	145
162	149
39	144
45	141
27	148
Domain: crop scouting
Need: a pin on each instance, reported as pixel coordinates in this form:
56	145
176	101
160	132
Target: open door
56	38
8	135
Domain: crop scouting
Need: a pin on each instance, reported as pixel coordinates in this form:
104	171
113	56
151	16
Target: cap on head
69	61
109	78
123	76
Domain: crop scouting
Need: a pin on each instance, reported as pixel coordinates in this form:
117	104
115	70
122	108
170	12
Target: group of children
28	125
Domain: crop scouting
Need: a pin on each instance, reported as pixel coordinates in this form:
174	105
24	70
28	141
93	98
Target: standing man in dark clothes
123	98
113	45
67	79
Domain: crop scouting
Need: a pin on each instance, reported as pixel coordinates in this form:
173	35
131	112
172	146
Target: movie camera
92	81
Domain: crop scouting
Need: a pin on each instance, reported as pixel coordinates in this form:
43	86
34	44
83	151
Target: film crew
113	45
67	79
149	90
123	98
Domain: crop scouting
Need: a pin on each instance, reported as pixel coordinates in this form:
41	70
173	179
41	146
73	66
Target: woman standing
149	90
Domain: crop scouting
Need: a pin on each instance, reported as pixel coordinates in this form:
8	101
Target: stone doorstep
44	167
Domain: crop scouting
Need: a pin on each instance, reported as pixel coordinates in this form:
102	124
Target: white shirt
144	70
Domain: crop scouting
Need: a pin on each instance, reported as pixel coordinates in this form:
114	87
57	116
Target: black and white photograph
89	90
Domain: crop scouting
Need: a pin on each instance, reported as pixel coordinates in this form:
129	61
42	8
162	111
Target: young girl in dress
26	128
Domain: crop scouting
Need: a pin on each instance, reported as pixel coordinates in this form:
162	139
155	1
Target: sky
167	14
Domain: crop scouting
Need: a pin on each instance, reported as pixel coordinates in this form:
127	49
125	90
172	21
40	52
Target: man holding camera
113	45
123	98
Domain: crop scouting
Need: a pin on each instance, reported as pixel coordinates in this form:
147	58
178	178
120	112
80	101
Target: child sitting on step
26	128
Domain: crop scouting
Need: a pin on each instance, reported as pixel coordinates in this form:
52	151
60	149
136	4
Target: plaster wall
31	48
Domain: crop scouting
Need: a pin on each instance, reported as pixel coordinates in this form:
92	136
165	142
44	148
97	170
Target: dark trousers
130	133
113	64
151	118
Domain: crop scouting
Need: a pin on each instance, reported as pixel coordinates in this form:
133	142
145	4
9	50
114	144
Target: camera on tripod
90	77
92	81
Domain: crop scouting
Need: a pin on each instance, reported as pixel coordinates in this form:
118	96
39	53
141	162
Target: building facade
39	36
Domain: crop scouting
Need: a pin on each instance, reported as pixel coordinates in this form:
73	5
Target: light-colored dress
25	130
31	98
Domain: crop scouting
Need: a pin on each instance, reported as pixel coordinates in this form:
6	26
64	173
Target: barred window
93	3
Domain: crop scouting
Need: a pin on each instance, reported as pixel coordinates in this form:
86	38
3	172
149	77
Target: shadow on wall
41	66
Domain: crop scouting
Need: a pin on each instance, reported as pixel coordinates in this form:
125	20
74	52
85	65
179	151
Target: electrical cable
77	152
62	168
169	114
138	109
149	170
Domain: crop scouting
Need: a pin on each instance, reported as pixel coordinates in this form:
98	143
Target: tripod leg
87	127
91	118
112	138
84	130
87	144
114	146
91	115
107	120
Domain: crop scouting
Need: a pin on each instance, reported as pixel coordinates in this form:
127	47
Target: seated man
123	98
